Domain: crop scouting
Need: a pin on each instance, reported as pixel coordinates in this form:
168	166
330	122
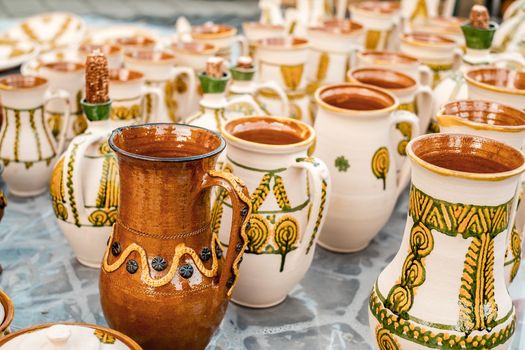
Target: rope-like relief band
165	236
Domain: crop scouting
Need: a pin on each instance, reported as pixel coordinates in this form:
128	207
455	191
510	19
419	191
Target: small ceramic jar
7	312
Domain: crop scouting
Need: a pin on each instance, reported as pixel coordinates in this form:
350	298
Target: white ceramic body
476	92
510	33
254	31
409	8
224	42
380	28
252	89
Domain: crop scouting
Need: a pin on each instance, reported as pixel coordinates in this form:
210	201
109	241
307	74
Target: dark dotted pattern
132	266
159	263
116	249
186	271
205	254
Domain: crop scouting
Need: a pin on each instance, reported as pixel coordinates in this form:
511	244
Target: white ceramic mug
222	36
255	31
354	138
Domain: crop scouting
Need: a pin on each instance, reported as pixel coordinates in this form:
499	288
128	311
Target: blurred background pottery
255	31
113	53
222	36
7	312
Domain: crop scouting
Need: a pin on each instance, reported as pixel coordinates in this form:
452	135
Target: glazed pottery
112	52
512	29
133	101
222	36
67	76
7	312
134	43
497	84
255	31
164	278
68	336
441	54
27	146
449	27
290	195
354	138
504	124
445	288
411	96
381	22
418	11
283	60
159	71
14	52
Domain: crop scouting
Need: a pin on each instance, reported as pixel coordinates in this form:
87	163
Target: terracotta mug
133	101
271	155
412	97
354	138
7	313
27	146
164	276
497	84
222	36
502	123
113	53
159	71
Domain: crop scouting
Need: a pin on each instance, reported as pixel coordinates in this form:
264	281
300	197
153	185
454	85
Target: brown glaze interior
165	142
124	75
428	38
18	81
150	55
337	26
64	66
268	130
193	47
138	40
378	6
212	28
283	42
383	78
106	49
466	153
390	56
500	77
356	97
485	112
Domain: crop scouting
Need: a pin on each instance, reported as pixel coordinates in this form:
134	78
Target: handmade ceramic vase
411	96
381	22
445	288
27	146
133	101
283	60
68	336
497	84
290	195
67	76
159	71
223	36
164	277
112	52
7	312
354	138
397	61
504	124
255	31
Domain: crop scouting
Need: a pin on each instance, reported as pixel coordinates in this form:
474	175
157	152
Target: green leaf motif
341	163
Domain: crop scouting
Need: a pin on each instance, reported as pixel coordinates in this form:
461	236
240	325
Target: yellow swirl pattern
258	234
515	245
286	235
381	164
385	340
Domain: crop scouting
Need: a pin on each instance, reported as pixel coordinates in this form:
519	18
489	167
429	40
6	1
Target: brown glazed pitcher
164	281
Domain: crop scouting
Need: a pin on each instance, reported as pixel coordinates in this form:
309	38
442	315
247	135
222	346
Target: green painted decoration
342	164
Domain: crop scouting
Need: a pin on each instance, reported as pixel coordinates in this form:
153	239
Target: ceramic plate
50	30
32	67
104	35
13	53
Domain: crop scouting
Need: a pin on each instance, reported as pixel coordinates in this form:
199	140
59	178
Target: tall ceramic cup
27	147
223	36
445	288
502	123
354	138
133	101
159	71
412	97
497	84
164	276
270	154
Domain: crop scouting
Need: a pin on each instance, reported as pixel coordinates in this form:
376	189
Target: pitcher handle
192	81
321	189
244	45
426	77
272	86
401	116
65	96
156	95
424	102
241	211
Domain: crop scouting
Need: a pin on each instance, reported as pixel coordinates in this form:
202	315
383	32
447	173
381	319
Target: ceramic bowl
7	312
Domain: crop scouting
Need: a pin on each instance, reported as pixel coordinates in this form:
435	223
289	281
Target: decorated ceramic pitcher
445	288
504	124
223	36
354	139
7	312
165	278
290	196
28	149
159	71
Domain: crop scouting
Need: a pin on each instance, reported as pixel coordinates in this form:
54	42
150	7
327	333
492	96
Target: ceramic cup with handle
354	138
159	71
222	36
290	195
113	53
255	31
27	146
412	97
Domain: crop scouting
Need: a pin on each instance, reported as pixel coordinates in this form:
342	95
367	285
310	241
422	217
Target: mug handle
401	116
424	102
243	44
426	77
156	95
241	211
192	81
64	96
458	59
321	188
272	86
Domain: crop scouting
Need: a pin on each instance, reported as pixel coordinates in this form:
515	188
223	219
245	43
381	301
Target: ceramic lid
67	337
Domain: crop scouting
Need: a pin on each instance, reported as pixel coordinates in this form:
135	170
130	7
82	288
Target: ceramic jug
504	124
412	97
159	71
7	313
497	84
28	149
354	138
67	76
223	36
283	60
134	102
445	288
164	277
290	195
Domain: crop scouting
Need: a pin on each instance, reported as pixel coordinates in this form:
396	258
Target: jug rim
492	176
351	74
138	156
471	79
28	82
